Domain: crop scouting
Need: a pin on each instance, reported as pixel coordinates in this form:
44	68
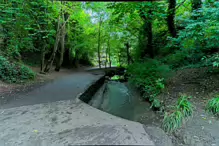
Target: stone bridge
109	71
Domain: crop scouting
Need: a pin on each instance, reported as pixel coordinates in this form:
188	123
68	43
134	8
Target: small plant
185	106
156	104
181	111
172	121
213	106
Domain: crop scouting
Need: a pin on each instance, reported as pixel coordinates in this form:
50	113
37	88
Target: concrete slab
67	123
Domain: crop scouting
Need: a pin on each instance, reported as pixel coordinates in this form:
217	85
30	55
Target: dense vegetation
151	39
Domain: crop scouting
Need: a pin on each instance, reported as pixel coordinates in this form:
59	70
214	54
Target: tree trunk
62	41
98	49
106	57
109	53
128	53
150	36
171	18
149	49
42	58
52	57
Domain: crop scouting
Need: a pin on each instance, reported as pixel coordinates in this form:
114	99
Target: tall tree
128	52
171	17
147	28
62	42
98	47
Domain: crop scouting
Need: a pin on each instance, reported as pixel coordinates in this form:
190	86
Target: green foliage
180	112
14	72
213	105
172	121
148	76
185	106
199	38
24	23
156	104
212	60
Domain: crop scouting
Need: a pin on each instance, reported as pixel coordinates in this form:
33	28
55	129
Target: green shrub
148	76
212	60
181	111
14	72
213	105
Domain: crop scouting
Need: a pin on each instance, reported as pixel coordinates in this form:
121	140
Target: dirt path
64	88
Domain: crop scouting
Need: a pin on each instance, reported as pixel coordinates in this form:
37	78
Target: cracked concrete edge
91	89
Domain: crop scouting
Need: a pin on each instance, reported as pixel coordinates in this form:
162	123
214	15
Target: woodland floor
202	128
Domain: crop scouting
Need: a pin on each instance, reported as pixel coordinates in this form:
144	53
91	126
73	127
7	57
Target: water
120	99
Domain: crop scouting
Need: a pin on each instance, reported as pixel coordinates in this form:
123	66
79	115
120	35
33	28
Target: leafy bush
14	72
213	105
181	111
148	76
211	60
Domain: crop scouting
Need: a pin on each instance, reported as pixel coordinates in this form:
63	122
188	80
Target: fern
213	106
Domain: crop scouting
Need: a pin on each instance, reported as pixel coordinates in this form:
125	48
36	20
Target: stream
122	99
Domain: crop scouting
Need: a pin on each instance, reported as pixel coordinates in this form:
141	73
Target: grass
174	119
213	106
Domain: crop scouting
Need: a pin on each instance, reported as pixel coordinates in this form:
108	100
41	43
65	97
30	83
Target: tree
171	17
147	28
98	48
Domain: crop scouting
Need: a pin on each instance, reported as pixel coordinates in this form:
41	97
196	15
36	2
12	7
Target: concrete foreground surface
67	123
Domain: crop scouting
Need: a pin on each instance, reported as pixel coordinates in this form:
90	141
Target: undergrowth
14	72
182	111
213	106
149	77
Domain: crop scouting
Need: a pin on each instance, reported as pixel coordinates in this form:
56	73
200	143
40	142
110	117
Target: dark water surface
122	100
